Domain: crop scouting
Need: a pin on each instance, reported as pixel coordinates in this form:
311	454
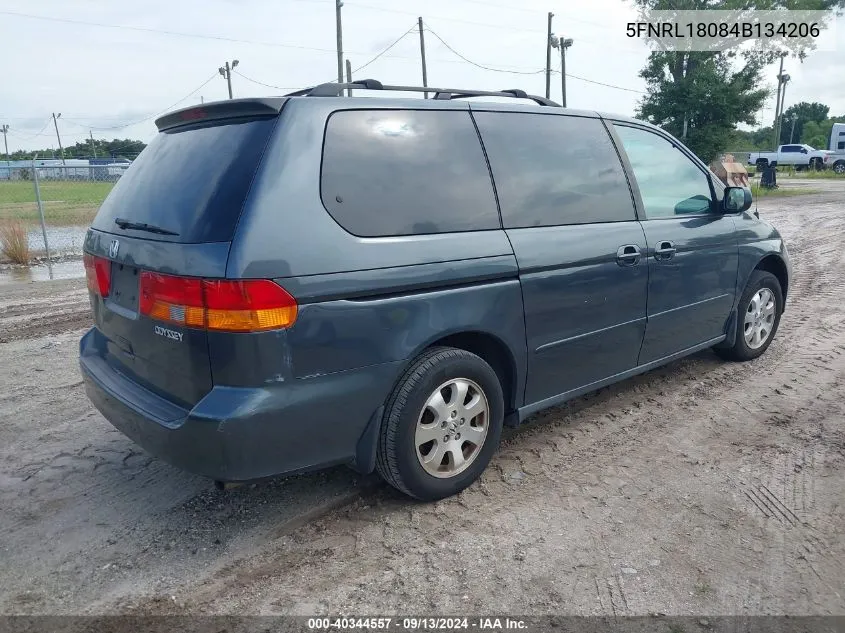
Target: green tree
803	113
701	97
817	133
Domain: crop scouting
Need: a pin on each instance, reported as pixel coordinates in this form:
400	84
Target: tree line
116	148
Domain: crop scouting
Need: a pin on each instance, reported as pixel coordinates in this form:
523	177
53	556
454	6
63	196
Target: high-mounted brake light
98	274
247	305
193	115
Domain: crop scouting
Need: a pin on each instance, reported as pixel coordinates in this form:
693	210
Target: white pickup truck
798	155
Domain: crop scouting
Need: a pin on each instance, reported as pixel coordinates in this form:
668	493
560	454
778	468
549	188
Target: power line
398	39
565	17
394	43
436	17
483	66
31	136
165	32
152	116
601	83
261	83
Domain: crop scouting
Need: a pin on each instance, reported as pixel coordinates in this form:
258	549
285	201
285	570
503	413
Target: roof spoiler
220	110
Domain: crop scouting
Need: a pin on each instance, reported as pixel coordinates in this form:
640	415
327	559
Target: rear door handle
665	250
628	255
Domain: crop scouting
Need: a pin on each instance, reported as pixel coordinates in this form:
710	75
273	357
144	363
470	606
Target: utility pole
5	129
549	55
777	103
785	79
93	146
563	44
226	71
56	118
349	76
339	26
792	131
422	56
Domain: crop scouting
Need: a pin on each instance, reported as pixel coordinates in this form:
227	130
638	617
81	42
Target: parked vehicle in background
796	155
284	284
837	146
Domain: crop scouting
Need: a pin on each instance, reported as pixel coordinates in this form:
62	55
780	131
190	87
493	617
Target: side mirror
803	150
736	199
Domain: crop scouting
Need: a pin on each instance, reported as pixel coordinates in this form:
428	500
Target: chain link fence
46	206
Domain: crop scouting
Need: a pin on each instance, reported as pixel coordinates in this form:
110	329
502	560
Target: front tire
758	316
441	424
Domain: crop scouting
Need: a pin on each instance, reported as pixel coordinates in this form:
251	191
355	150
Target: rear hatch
162	237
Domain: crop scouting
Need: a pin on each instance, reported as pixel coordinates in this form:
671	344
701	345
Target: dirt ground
700	488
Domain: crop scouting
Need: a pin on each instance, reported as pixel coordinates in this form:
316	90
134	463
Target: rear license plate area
125	286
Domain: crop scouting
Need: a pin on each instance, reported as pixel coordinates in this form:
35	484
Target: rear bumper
239	434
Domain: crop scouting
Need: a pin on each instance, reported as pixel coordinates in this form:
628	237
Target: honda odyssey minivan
284	284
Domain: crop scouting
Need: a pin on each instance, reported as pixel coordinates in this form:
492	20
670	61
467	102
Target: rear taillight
247	305
98	274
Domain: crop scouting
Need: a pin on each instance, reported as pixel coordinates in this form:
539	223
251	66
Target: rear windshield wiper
142	226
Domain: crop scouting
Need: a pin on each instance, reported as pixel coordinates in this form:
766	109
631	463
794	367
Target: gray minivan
284	284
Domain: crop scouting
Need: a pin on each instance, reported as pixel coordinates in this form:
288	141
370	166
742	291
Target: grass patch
811	174
703	589
14	245
781	192
828	174
65	203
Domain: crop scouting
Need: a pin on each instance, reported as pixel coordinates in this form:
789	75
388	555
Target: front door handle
665	250
628	255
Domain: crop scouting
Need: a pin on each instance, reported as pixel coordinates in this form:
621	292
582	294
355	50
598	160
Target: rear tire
758	316
433	447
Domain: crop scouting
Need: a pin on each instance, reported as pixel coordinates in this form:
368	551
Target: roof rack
336	90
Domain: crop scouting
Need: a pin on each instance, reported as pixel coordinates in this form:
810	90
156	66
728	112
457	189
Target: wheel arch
494	351
774	264
487	346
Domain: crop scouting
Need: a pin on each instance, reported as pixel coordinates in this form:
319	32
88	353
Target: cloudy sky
110	67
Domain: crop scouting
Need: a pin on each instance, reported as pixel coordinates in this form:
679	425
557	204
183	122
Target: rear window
192	181
552	170
406	172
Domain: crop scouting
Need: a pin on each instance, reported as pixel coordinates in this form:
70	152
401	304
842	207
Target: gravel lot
702	487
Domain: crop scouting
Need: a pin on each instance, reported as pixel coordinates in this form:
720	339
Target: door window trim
374	108
626	163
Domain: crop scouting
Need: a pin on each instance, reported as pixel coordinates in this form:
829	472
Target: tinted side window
406	172
841	145
791	148
551	170
670	183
